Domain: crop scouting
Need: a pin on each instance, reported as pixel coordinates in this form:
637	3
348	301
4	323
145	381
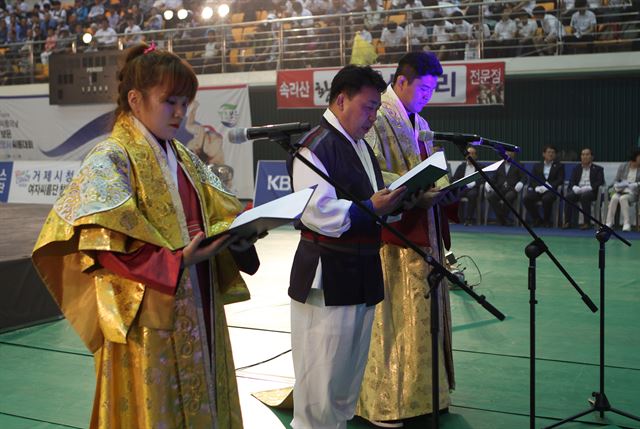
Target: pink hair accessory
151	48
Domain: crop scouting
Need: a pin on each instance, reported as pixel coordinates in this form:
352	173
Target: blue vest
351	268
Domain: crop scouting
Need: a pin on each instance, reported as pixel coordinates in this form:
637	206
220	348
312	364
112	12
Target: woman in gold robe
120	253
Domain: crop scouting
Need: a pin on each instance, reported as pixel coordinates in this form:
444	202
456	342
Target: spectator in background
526	6
584	185
510	181
114	17
374	21
21	29
527	29
298	11
4	30
393	39
337	7
57	12
64	40
96	11
132	33
317	7
467	210
583	24
155	20
36	12
418	32
550	31
503	38
106	36
49	46
78	32
552	173
136	14
441	37
478	32
460	35
81	11
625	191
413	4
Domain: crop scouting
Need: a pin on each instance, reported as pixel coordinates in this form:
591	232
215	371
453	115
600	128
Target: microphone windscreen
237	135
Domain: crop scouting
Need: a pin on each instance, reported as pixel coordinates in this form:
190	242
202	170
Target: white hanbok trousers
329	347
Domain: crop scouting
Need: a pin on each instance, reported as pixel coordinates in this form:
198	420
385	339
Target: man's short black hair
418	64
634	154
351	79
580	3
589	149
539	10
548	146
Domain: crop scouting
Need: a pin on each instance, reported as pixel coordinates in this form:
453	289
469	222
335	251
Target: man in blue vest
336	278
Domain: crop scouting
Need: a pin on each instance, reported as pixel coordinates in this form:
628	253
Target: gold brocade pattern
152	362
397	381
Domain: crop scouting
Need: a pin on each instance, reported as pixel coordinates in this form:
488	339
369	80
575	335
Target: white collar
335	123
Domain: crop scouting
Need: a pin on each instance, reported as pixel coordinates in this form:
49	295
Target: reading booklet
423	175
267	216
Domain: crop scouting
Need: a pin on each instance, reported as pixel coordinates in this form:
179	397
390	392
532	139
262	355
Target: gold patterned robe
397	380
153	366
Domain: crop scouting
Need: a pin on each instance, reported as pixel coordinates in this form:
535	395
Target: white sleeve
325	213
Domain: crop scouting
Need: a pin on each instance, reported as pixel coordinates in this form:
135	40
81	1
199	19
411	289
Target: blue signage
6	168
272	182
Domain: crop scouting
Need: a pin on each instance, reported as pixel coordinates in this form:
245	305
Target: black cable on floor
264	361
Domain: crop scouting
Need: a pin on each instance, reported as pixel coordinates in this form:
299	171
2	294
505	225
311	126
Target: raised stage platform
24	299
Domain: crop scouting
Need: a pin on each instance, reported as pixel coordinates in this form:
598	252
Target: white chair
597	205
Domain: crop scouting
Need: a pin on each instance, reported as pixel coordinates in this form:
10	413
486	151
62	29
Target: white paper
288	207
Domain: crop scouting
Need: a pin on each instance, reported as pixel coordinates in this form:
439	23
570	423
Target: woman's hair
635	153
145	67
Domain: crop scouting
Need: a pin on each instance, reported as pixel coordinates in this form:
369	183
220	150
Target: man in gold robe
397	382
110	254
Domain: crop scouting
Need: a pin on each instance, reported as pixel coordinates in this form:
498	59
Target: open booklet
423	175
489	169
273	214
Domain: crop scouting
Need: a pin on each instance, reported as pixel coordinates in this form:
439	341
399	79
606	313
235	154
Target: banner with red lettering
465	84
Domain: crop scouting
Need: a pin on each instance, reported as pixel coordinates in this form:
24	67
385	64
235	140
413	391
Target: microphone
241	135
468	139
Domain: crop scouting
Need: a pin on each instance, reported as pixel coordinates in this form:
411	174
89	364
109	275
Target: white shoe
387	424
626	227
610	225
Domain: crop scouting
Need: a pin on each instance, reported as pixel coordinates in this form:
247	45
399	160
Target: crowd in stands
584	186
380	29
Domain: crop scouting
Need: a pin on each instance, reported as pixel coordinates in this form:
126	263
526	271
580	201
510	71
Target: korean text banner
465	84
33	130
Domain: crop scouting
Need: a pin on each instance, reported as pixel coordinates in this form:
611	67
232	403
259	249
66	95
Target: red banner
465	84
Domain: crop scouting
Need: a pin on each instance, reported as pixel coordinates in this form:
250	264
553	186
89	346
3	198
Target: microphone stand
534	249
434	278
600	403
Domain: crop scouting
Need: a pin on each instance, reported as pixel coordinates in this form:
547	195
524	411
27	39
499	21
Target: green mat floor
46	380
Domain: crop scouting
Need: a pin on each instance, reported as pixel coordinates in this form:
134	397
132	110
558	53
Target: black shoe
566	225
